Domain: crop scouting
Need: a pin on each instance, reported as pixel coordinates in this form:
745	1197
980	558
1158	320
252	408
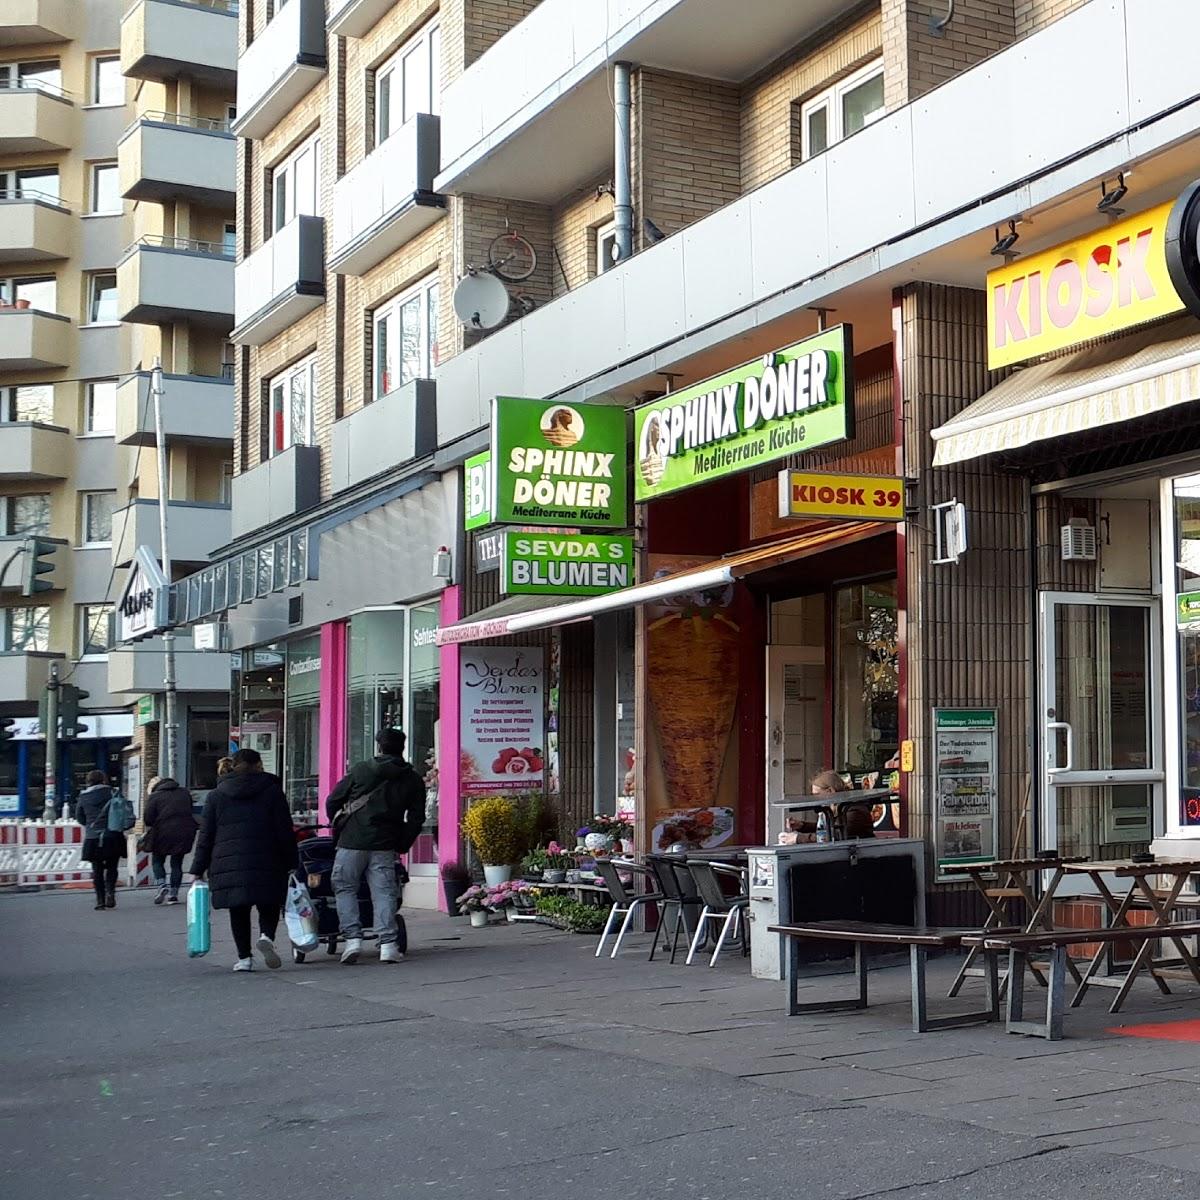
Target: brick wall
1032	15
686	156
769	100
573	231
471	27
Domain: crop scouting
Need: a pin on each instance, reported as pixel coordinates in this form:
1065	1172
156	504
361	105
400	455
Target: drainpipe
622	182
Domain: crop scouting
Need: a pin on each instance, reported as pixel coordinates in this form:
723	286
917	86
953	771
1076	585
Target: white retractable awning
1107	383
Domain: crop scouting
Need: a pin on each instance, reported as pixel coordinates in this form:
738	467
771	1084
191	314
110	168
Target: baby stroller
316	869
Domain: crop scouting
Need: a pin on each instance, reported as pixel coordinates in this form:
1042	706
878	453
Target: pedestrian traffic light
6	728
69	697
37	563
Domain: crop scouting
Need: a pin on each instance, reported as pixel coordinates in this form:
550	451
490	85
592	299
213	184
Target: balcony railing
185	120
191	245
168	156
172	279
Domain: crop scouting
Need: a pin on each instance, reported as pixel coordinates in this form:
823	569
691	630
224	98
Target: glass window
862	104
229	240
849	105
102	298
93	629
34	183
1187	618
295	182
45	75
106	194
208	742
108	84
606	247
41	291
292	398
97	517
408	83
375	690
27	628
302	726
817	130
28	402
866	662
422	726
406	337
102	406
28	515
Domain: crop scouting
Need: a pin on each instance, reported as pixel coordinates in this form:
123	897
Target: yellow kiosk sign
854	497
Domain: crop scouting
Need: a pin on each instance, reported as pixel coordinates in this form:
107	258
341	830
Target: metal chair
679	894
730	911
624	897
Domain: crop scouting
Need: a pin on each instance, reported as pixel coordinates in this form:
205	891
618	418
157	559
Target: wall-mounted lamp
1109	201
442	564
1004	245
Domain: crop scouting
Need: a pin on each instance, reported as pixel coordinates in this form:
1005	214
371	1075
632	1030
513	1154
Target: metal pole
170	724
622	173
51	731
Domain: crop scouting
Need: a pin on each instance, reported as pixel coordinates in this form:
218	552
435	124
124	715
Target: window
28	402
43	75
227	360
108	84
32	183
866	674
106	194
408	83
294	184
606	247
292	398
850	105
27	515
27	628
96	518
229	239
41	291
102	298
93	630
406	337
101	416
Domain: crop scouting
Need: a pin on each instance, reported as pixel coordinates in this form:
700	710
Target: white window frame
94	170
831	100
91	320
89	409
284	201
94	94
388	314
6	516
604	233
13	183
391	73
8	403
81	632
8	288
85	503
10	74
281	439
6	628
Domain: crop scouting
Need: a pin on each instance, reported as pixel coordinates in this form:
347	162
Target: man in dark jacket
377	812
102	847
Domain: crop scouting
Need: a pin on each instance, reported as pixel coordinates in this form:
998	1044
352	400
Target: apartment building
671	200
116	212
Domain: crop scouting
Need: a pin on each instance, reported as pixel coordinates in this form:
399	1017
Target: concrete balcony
34	341
387	199
281	281
194	530
34	120
165	40
175	279
140	670
279	488
197	409
355	18
35	229
167	156
395	429
23	674
280	67
36	22
29	450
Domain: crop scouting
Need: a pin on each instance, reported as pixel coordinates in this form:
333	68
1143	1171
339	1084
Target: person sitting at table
799	829
828	783
856	819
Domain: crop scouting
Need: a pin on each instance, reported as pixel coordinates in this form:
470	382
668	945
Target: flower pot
554	876
451	890
479	918
510	914
22	304
598	843
494	875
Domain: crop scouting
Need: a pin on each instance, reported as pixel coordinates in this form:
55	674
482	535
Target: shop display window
1187	622
302	724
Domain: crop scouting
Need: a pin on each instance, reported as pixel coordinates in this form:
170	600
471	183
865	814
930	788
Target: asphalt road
128	1071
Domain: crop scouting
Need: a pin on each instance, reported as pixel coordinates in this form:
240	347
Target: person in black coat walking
247	848
170	832
102	847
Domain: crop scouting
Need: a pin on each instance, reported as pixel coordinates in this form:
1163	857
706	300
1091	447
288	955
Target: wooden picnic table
1141	892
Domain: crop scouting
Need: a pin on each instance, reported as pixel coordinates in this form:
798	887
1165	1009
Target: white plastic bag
301	917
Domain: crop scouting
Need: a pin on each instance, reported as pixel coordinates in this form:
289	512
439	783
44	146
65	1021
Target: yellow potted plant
493	827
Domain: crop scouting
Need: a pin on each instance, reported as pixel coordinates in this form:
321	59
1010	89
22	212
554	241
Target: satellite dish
481	301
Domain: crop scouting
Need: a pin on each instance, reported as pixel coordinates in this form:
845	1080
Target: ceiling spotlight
1109	200
1004	245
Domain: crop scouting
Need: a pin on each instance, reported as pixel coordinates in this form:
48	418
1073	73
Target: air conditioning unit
1078	541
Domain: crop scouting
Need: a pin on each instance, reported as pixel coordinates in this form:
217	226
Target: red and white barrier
42	852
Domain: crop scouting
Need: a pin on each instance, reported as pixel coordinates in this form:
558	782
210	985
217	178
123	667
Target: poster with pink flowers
503	726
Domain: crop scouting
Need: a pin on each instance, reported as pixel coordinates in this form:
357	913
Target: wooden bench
919	940
1020	945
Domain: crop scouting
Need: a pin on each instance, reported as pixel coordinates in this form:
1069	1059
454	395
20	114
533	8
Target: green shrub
571	914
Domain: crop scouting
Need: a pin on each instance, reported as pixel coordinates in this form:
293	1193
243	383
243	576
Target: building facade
838	180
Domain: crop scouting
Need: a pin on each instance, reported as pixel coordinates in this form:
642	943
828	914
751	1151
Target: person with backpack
170	832
247	848
105	817
377	812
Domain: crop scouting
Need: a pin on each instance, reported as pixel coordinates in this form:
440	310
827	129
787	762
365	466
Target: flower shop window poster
502	736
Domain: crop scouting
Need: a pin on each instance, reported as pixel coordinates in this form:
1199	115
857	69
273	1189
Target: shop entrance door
795	725
1100	725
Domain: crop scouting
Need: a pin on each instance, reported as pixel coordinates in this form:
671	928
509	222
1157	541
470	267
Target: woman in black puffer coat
247	848
170	832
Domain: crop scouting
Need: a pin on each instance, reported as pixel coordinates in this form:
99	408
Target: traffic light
36	550
6	729
70	722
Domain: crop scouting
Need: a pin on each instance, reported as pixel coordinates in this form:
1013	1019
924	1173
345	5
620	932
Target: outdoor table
1160	904
1013	885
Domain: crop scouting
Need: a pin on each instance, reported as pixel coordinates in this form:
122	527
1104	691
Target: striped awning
1138	375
